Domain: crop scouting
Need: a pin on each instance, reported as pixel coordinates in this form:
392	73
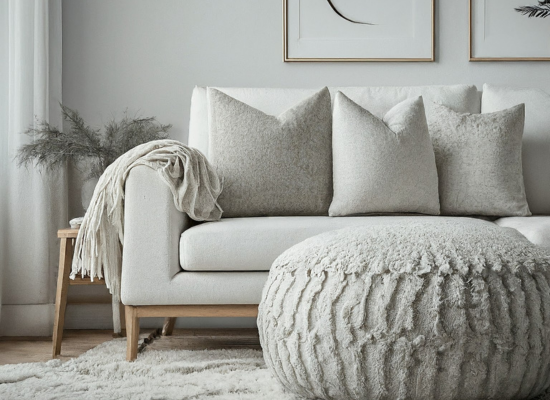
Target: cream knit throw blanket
195	187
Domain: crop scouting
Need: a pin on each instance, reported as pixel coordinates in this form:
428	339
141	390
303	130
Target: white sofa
174	267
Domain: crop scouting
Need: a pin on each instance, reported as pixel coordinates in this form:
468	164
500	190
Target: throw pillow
272	165
382	166
478	160
536	139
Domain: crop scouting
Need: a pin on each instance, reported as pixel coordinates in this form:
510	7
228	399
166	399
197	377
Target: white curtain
33	205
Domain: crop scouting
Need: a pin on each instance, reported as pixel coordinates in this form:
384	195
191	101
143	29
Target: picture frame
349	44
491	39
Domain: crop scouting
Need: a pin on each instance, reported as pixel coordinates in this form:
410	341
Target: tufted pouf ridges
452	310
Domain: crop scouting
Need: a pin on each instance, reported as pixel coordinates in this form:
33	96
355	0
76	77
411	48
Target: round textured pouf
421	308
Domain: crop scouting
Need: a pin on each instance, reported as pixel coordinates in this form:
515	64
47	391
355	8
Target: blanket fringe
195	187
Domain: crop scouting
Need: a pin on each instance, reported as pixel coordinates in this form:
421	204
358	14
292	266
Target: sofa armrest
152	230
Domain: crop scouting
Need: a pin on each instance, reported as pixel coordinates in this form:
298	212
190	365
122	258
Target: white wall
146	55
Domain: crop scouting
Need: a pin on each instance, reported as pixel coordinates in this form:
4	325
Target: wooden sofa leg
168	327
132	333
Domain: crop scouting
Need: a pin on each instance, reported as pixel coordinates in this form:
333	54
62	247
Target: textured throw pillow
478	160
536	138
272	165
382	166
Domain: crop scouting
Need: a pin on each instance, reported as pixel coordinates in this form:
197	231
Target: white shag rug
103	373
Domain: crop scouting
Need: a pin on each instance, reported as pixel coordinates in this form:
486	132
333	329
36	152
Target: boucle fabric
478	160
195	187
103	373
457	309
272	165
536	138
382	166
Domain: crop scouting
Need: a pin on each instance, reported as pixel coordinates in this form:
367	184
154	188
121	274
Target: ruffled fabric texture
451	309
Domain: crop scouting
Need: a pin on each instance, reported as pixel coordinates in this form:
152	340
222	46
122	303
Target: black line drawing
344	17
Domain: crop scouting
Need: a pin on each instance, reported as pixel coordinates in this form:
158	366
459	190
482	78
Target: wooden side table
66	249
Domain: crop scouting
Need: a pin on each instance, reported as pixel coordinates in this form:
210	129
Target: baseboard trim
27	320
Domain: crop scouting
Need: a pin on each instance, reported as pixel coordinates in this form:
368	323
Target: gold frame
486	59
288	59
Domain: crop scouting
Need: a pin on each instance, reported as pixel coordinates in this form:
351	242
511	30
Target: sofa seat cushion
536	229
252	244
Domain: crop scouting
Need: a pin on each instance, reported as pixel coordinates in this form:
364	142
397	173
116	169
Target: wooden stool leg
65	261
122	320
132	333
168	327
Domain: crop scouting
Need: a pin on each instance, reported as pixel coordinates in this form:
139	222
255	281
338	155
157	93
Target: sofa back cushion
378	100
536	139
272	164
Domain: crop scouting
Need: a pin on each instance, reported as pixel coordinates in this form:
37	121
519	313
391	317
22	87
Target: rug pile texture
103	373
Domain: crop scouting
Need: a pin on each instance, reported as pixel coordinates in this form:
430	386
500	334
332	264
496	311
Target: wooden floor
15	350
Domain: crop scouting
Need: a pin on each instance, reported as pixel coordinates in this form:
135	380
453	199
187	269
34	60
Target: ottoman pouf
435	308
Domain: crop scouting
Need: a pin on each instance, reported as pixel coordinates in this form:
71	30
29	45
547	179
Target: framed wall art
358	30
509	30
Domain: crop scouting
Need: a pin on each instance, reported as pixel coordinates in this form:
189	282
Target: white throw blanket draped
195	187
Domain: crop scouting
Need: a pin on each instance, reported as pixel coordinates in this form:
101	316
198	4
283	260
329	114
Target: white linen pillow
382	166
478	160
